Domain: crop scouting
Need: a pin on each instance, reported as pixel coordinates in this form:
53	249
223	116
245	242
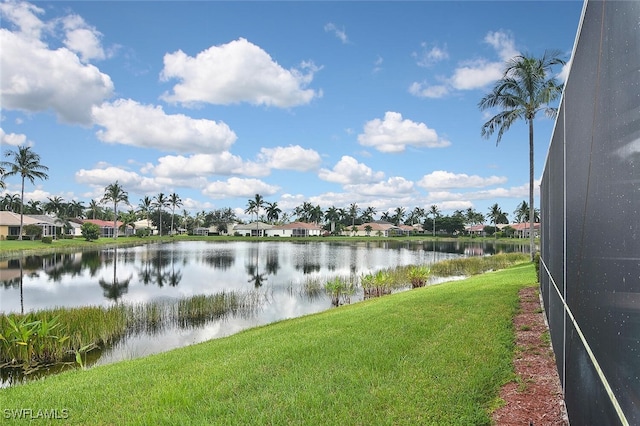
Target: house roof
13	219
377	226
103	223
298	225
251	226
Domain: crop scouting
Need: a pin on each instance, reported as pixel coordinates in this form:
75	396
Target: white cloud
430	55
340	33
349	171
238	71
224	163
393	187
441	179
35	78
130	123
393	134
13	139
82	38
130	181
290	158
425	90
237	187
475	73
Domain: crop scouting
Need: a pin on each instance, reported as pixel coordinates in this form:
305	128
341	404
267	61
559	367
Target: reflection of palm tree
115	289
253	269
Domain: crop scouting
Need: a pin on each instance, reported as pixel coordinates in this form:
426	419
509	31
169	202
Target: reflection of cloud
629	150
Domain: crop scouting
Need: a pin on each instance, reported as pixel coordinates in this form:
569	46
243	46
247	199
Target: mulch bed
535	397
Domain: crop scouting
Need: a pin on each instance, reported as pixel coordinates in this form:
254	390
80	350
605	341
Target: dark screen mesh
590	207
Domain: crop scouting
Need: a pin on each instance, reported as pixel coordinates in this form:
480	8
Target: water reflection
115	288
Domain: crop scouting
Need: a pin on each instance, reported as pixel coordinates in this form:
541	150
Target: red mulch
535	398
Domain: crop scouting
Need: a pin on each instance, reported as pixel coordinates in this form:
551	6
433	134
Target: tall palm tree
527	87
34	207
94	208
26	163
273	211
115	193
54	205
11	202
174	201
433	210
353	212
497	216
521	213
398	215
254	206
160	202
76	209
368	214
145	206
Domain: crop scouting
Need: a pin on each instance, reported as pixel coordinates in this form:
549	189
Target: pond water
273	275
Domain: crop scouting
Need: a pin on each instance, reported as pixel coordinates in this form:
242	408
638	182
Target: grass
433	355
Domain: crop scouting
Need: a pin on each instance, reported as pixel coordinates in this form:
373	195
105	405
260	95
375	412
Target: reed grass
476	265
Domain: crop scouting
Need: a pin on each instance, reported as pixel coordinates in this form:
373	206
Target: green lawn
435	355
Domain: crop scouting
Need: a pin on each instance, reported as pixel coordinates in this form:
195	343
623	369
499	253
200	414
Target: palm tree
160	202
54	205
11	202
253	207
26	163
433	210
116	194
145	206
527	87
332	215
273	211
497	216
399	215
174	201
94	207
368	214
34	207
2	173
353	212
75	209
521	213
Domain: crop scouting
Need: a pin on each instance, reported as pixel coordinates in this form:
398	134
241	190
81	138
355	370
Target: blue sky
323	102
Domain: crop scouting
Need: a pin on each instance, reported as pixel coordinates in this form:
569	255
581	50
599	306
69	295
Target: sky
326	102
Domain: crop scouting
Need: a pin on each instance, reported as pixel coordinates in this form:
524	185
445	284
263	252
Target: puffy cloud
106	175
441	179
36	78
393	187
290	158
130	123
349	171
82	38
393	134
472	74
238	71
237	187
223	163
340	33
13	139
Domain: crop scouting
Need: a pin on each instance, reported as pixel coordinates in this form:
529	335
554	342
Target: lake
272	274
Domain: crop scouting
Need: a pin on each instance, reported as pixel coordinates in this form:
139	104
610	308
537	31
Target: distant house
106	228
522	229
10	224
295	229
254	229
203	232
145	224
374	229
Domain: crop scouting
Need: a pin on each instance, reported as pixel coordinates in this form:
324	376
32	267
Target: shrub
144	232
47	240
32	231
418	275
90	231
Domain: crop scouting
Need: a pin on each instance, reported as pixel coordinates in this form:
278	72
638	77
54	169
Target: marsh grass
477	265
60	335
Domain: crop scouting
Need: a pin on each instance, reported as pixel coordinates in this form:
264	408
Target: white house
295	229
254	229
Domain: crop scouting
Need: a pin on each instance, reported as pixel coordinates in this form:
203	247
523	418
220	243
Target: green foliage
90	231
47	240
418	275
376	284
536	262
29	341
340	289
143	232
32	230
477	265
